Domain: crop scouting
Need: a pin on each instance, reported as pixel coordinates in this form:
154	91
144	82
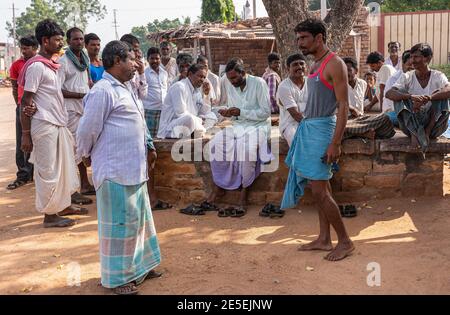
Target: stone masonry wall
373	169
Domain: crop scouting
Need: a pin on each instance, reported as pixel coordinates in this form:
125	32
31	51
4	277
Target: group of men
85	111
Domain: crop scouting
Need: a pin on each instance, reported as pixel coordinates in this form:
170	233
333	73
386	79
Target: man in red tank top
329	75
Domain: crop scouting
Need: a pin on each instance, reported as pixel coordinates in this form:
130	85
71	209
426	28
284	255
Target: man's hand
333	153
206	88
27	144
234	111
151	159
419	101
86	161
354	112
30	110
139	66
224	112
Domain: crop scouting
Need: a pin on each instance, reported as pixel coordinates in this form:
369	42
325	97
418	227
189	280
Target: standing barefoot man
317	142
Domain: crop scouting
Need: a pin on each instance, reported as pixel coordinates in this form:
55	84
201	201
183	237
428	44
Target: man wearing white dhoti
46	135
183	111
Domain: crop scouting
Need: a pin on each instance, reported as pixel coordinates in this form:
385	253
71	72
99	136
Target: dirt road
409	240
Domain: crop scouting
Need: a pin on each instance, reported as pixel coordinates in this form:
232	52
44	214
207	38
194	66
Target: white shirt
356	95
44	83
290	95
113	133
383	75
397	67
388	105
215	82
172	69
211	98
157	88
409	82
182	100
73	80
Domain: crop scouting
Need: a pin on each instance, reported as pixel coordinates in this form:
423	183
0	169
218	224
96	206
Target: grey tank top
321	98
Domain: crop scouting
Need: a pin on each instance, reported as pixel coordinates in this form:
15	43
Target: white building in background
7	57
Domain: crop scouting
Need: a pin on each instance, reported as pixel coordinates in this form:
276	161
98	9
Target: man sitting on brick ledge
422	114
183	111
237	153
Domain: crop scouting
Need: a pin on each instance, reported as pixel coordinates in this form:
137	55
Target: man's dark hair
130	39
196	67
29	41
164	44
424	49
184	58
393	43
47	28
370	74
374	57
273	57
406	56
71	30
202	59
235	64
351	61
313	26
114	49
294	57
89	37
153	50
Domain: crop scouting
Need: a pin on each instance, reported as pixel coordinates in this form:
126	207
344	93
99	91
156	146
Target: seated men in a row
360	125
420	102
183	111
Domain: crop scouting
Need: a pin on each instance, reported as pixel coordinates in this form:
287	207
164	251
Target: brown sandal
127	289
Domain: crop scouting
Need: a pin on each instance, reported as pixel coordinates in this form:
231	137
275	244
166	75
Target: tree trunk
285	15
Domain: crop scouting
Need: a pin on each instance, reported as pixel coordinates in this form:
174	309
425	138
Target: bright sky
129	13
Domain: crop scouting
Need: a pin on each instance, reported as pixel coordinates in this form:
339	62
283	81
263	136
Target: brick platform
368	169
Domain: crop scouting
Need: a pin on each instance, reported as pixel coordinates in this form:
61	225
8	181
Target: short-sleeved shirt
356	95
73	80
45	84
409	82
14	72
290	95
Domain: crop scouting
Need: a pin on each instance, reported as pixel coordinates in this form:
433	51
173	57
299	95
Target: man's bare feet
342	250
56	221
316	245
73	210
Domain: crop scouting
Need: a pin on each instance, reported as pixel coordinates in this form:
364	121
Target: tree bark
285	15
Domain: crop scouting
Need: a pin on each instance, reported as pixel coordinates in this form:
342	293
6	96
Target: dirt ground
409	239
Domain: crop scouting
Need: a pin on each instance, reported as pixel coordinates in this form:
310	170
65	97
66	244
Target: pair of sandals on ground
132	287
269	210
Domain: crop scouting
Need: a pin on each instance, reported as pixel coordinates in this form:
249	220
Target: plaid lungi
152	119
384	129
129	247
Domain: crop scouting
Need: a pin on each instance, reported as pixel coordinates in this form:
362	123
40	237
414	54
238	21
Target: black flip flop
276	212
265	211
90	192
16	184
207	206
162	205
192	210
79	199
348	211
77	211
225	212
238	212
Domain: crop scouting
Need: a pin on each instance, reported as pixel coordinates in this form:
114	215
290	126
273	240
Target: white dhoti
72	124
289	133
55	171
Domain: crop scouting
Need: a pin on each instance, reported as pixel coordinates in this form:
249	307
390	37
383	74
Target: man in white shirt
167	62
388	107
422	112
138	82
375	60
292	96
113	136
75	81
212	79
157	81
183	112
360	125
46	135
394	59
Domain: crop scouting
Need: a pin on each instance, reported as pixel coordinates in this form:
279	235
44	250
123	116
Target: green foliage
443	68
141	32
217	11
65	12
414	5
